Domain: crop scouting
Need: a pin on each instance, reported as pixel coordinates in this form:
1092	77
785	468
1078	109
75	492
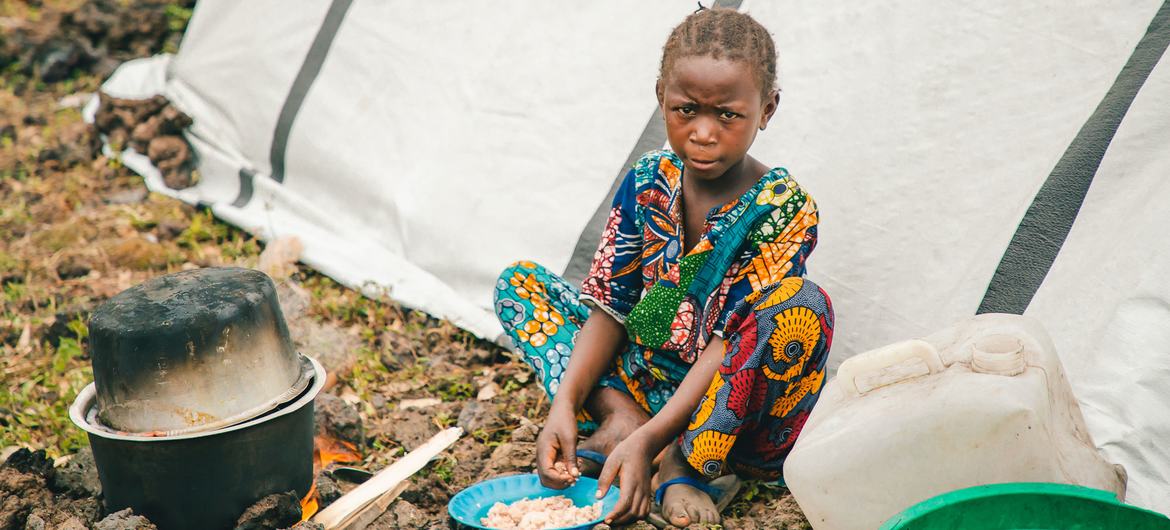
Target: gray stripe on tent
310	68
304	80
653	137
246	176
1046	224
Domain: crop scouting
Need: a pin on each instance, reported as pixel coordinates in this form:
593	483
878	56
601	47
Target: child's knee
517	271
792	291
793	313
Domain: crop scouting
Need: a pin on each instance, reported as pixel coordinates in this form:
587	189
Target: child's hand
556	450
629	463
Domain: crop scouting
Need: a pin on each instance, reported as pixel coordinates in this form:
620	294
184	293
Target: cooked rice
540	514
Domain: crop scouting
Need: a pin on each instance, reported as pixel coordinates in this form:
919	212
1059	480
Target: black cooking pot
193	351
205	480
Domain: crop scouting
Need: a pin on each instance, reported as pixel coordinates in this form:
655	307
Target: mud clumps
153	127
92	38
23	487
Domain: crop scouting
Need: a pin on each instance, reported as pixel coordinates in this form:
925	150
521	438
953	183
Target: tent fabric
426	148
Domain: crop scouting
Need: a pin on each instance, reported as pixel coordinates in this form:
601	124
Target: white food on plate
540	514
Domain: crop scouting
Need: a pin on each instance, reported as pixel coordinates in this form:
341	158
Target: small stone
488	392
124	520
477	415
526	432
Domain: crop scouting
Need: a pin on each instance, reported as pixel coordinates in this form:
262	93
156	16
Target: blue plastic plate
471	505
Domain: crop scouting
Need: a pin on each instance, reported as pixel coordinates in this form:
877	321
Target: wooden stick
372	497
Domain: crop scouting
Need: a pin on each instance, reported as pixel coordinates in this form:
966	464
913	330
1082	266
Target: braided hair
722	34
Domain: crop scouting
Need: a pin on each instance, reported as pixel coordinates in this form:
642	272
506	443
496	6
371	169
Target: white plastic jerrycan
981	402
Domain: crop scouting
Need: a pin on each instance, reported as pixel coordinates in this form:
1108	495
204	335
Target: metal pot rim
87	399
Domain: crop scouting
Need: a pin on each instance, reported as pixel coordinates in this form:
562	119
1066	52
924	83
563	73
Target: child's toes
679	516
708	517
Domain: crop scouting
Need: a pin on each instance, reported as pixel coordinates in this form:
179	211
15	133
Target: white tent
421	148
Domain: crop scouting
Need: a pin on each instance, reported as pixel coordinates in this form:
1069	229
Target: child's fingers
608	473
629	503
569	456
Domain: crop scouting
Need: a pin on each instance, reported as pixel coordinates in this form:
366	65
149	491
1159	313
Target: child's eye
728	115
686	110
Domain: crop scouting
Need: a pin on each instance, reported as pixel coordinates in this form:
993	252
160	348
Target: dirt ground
77	227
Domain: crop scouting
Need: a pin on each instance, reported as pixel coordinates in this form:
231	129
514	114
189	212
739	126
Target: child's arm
598	341
672	420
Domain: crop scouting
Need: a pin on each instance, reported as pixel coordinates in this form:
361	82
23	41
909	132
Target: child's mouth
703	164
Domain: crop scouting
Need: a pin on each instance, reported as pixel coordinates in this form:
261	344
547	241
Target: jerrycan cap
998	354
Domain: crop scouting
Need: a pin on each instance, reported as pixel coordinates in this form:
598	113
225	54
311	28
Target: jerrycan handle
888	365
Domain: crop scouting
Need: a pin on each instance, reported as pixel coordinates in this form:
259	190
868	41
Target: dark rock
279	510
124	520
339	419
79	476
327	490
479	415
26	461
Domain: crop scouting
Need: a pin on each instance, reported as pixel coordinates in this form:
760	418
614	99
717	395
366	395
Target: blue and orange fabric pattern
742	281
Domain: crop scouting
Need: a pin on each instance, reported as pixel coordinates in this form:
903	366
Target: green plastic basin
1026	505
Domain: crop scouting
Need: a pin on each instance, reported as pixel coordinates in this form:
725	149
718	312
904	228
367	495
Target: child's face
713	109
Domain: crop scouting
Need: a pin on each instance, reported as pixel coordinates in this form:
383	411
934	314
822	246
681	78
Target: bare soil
77	227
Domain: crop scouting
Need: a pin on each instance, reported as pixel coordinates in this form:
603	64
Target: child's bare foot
618	417
684	505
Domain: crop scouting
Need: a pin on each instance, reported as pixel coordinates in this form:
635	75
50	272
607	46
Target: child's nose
703	132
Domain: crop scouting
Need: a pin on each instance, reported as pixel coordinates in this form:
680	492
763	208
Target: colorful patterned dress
742	281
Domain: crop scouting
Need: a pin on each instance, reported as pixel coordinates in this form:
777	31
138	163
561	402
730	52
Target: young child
694	335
